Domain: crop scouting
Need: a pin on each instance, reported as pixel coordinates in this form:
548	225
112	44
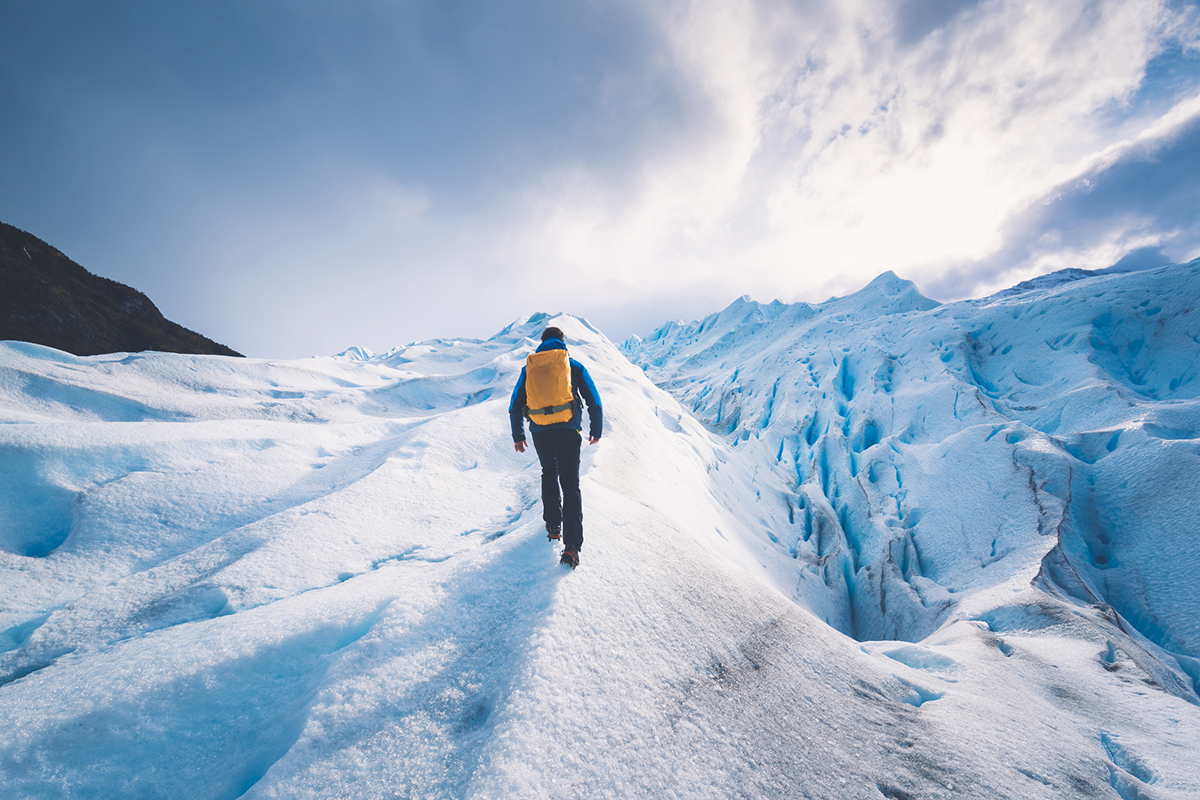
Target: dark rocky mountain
48	299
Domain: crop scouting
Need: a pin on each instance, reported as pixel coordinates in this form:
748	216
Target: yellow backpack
548	393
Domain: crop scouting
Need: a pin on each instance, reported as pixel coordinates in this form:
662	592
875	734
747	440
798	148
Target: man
549	392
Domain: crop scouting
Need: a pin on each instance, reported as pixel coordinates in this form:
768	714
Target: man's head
553	333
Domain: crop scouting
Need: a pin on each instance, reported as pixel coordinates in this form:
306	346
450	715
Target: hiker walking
549	393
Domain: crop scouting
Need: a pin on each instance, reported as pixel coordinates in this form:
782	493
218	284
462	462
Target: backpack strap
549	409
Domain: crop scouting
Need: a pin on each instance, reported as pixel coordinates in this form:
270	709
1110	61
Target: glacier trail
876	547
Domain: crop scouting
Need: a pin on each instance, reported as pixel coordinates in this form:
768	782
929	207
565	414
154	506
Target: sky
293	178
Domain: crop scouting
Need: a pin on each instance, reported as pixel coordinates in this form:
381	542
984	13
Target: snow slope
854	562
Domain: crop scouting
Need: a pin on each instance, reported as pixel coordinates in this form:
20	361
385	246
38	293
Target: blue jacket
581	386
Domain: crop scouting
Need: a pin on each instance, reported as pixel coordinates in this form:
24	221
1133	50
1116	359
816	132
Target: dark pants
558	450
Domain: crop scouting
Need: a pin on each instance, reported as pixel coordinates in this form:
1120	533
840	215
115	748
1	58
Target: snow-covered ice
875	547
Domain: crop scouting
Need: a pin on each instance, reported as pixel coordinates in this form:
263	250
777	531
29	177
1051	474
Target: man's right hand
519	446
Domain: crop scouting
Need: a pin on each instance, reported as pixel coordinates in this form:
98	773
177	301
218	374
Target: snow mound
356	354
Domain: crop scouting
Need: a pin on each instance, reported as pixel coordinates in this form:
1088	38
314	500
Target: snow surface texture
872	548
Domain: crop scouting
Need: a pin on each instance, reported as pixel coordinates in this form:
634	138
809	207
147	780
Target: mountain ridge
48	299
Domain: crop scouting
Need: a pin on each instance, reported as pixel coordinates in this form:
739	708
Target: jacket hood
551	344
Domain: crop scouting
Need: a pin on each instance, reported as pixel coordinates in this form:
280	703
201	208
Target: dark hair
552	333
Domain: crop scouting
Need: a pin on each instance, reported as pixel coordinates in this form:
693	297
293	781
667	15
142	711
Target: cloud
828	142
249	157
842	140
1138	205
297	177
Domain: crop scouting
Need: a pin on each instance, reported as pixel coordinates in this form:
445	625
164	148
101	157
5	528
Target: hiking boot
570	558
553	532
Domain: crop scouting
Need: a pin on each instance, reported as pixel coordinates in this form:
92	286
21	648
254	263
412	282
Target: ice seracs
919	455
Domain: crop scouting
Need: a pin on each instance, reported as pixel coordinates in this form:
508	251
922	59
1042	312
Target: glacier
873	547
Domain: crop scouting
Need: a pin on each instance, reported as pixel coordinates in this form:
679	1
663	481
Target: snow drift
872	548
